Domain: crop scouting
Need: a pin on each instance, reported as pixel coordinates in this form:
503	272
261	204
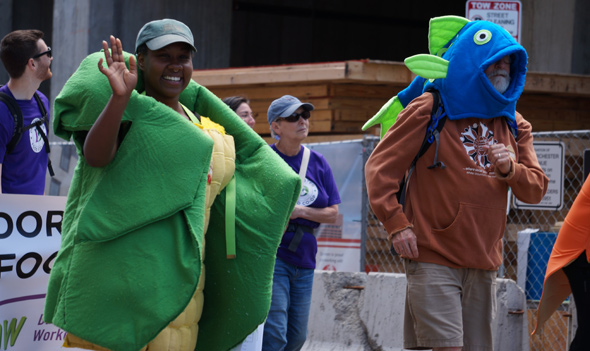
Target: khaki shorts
449	307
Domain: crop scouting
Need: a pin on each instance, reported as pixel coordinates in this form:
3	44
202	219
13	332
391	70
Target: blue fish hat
460	52
466	91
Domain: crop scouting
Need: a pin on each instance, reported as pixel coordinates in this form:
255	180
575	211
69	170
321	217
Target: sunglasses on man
48	53
295	116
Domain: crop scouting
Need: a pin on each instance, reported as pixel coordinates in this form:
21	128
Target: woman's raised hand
121	79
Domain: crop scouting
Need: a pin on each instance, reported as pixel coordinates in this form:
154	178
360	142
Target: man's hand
121	79
499	156
404	243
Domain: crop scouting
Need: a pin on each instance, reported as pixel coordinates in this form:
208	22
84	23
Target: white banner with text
30	236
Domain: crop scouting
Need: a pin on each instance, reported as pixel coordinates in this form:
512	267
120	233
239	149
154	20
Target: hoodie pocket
474	237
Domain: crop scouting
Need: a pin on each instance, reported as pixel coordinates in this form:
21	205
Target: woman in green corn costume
153	176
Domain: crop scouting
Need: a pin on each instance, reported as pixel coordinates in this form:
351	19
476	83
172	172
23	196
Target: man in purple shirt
27	59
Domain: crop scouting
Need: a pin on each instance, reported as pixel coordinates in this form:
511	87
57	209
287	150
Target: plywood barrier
346	94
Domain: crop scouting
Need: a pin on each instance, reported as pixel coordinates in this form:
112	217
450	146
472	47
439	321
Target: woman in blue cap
286	324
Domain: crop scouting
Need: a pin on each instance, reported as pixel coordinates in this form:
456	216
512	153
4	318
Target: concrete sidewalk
363	312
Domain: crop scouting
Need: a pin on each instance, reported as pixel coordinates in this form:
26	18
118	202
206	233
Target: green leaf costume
130	257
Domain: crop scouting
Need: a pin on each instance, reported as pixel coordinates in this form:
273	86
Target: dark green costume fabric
133	231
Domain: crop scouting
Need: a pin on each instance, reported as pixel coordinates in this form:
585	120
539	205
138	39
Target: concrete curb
364	312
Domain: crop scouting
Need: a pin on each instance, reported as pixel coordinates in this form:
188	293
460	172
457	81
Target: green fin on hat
386	116
428	66
442	30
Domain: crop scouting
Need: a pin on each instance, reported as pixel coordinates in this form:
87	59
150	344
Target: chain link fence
528	238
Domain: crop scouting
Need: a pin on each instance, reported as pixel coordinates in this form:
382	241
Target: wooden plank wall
346	94
339	108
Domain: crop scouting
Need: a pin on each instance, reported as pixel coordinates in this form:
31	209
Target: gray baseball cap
159	33
285	106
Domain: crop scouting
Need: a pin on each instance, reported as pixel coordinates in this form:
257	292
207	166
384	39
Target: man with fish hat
448	222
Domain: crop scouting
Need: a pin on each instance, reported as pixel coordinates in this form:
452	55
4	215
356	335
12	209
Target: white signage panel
30	236
551	158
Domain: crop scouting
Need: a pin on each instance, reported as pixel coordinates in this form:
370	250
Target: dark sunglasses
295	116
48	53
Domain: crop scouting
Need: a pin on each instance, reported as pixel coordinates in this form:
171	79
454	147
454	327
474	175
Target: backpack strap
513	127
299	230
437	122
17	116
44	120
436	125
19	130
304	163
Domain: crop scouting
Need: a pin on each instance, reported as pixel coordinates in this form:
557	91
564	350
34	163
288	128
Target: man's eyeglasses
295	116
48	53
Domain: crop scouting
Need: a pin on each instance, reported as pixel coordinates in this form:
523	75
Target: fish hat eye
482	36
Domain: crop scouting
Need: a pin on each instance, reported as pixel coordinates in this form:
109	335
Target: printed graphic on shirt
474	138
309	193
35	137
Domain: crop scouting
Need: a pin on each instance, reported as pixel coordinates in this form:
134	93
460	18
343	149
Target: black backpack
20	129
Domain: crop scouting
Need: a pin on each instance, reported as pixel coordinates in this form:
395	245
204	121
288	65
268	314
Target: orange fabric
573	239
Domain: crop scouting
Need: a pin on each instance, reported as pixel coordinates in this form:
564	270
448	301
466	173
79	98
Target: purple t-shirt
24	169
318	191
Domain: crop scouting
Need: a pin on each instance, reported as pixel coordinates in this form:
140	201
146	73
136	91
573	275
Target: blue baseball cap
159	33
285	106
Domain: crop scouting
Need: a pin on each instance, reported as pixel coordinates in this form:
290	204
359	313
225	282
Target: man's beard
500	79
45	73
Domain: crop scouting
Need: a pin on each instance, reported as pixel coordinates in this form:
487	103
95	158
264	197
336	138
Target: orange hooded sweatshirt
457	213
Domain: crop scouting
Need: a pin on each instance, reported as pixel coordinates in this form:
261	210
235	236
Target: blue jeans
286	325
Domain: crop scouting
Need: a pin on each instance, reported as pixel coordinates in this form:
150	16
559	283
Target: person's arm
321	215
101	143
526	178
390	160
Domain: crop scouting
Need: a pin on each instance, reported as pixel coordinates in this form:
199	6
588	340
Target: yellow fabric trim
191	115
182	333
72	341
208	124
